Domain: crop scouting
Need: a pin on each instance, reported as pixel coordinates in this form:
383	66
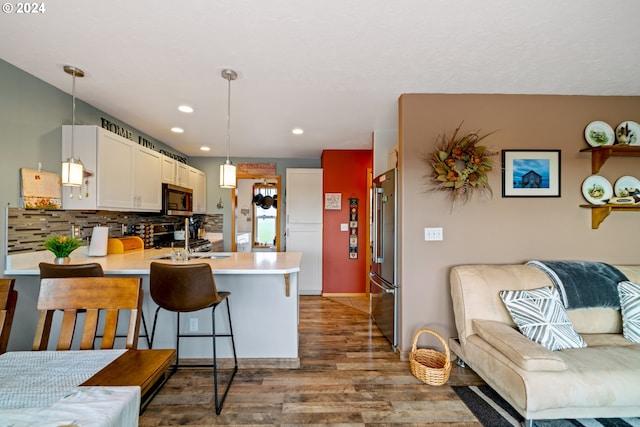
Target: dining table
102	388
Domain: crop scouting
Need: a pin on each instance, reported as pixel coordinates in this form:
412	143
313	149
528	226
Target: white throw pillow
629	293
541	317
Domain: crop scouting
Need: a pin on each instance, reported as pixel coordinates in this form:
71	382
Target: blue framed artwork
530	173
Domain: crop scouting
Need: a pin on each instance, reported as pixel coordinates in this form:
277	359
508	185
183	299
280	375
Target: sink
197	255
209	255
165	256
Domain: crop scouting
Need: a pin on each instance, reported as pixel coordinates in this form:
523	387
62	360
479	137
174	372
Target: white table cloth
42	388
82	407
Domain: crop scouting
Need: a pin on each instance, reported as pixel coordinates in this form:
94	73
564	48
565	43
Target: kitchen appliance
99	241
195	245
383	274
177	200
163	235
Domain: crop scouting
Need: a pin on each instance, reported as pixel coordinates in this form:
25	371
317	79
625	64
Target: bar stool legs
219	398
220	402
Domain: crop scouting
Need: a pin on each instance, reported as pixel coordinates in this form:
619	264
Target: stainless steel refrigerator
383	277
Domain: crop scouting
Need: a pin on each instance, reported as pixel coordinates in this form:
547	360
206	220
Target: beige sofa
599	381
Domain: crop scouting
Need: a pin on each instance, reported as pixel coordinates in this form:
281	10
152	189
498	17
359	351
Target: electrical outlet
193	324
434	233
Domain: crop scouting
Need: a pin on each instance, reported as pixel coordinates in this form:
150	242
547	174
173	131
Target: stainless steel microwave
177	200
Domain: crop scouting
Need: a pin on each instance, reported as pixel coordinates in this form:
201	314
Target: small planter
62	260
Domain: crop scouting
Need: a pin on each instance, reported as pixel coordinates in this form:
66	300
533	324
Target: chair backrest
182	287
70	270
8	300
90	295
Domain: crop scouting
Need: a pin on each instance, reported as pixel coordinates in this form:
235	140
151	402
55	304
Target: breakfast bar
264	301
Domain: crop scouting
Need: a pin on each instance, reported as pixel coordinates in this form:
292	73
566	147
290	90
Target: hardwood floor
348	376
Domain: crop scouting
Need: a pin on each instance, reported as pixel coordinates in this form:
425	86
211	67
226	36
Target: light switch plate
433	233
344	227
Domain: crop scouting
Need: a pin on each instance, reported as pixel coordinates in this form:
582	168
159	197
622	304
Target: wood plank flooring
348	377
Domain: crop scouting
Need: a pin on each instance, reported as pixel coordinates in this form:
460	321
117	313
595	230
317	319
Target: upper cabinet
198	183
174	172
182	174
147	179
114	174
126	175
168	170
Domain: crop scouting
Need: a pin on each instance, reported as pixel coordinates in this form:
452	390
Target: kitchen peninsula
264	301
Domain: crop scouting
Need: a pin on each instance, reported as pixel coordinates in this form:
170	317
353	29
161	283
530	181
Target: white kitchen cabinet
126	176
182	174
198	183
115	171
147	179
174	172
304	207
168	170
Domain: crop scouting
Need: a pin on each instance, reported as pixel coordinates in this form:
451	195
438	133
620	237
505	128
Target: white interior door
307	238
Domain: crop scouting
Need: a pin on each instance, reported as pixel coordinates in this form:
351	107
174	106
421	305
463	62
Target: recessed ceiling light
177	130
297	131
204	148
185	109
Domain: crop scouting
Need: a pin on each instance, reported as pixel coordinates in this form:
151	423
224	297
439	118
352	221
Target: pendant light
227	170
72	169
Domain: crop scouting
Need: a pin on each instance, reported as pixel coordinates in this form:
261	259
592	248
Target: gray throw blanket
584	284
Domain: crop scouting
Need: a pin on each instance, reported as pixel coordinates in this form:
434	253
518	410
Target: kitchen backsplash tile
27	229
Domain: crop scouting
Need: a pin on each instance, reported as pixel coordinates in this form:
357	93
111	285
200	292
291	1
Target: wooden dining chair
8	300
89	295
48	271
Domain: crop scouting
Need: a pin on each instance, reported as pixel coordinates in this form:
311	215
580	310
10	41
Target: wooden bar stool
54	271
190	287
8	301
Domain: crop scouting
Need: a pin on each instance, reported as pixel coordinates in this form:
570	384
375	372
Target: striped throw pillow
629	293
541	317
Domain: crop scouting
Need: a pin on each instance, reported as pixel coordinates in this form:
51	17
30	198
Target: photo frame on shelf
530	173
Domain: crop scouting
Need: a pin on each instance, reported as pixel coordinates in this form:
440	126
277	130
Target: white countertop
137	262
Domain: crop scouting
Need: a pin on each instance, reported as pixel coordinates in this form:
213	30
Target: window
265	216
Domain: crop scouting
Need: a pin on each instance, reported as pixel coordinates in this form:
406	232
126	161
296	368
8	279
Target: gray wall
31	115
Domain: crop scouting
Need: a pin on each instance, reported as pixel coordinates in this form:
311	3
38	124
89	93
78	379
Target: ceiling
332	67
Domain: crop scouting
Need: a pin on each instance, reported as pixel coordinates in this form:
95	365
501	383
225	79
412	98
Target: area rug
493	411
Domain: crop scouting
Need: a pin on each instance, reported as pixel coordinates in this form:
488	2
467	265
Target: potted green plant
62	246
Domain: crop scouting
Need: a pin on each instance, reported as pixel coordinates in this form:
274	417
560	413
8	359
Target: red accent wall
345	172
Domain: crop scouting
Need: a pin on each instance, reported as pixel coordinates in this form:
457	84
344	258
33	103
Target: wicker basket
430	366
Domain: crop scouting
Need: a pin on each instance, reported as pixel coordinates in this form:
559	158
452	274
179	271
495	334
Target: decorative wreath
460	166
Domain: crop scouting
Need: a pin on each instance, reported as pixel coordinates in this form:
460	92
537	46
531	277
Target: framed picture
333	201
530	173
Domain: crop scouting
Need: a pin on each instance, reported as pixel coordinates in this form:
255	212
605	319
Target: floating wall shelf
599	155
600	212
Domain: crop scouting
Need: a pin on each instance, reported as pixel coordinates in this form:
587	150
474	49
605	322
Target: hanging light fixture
227	170
72	169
